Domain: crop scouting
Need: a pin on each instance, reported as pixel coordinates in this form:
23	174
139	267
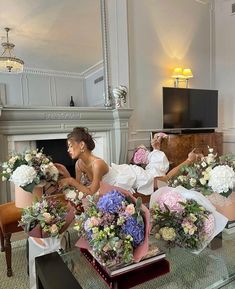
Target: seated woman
90	169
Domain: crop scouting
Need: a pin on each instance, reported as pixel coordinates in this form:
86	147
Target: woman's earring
82	150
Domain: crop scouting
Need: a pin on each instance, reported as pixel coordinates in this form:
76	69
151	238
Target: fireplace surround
21	127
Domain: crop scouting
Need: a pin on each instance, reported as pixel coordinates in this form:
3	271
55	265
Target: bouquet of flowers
207	175
184	218
115	226
140	156
75	198
44	221
29	169
46	218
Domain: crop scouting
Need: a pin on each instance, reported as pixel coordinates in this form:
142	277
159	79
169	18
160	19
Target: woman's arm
99	169
192	157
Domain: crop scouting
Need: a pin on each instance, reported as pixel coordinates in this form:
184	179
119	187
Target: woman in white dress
90	169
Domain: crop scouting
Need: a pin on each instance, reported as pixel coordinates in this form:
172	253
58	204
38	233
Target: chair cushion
9	218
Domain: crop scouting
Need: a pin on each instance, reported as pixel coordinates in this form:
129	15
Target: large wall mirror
63	45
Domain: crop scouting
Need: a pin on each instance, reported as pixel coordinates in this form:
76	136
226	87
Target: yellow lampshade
178	72
187	73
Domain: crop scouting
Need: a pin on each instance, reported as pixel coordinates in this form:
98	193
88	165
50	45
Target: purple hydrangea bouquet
184	218
114	227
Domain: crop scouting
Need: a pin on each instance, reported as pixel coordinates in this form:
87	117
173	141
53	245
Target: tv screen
189	108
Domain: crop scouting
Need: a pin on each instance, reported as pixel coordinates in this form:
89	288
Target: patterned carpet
20	279
187	271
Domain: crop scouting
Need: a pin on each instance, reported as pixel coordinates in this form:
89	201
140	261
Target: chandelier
8	62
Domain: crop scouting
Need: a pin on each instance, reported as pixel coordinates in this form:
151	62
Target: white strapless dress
134	178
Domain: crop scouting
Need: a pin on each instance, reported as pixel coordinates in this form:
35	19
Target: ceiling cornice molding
92	69
86	73
39	71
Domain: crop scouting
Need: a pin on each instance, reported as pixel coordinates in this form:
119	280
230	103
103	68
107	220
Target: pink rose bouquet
140	156
184	218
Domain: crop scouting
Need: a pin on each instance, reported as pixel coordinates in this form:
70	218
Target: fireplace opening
57	150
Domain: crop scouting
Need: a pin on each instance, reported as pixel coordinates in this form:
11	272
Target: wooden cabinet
177	146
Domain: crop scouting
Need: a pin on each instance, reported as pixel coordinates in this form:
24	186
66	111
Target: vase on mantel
224	205
24	199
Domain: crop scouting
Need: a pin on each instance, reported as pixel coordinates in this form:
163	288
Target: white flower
80	195
8	170
206	175
208	169
70	194
210	158
203	164
23	175
39	155
4	178
211	150
202	181
28	157
13	159
192	182
222	178
4	165
50	171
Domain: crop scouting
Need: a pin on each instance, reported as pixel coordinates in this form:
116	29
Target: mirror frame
107	95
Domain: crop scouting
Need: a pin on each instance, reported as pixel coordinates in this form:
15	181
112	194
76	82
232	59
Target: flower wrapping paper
220	220
142	249
39	247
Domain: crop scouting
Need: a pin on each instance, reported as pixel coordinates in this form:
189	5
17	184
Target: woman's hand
192	156
155	142
63	172
66	182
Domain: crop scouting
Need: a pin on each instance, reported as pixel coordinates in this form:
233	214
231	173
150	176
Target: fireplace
22	128
57	150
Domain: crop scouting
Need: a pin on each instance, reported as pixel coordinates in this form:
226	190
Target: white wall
52	88
225	69
42	88
94	90
163	35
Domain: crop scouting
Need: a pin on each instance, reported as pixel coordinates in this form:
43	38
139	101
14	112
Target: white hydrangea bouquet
29	169
208	175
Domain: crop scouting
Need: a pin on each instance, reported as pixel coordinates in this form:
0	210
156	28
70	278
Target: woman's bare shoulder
99	163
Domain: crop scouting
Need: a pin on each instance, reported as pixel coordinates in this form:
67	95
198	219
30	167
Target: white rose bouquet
207	175
29	169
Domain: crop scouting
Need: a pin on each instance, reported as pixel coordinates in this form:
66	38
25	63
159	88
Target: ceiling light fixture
8	62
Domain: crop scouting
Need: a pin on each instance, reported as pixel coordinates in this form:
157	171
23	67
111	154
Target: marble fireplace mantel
26	123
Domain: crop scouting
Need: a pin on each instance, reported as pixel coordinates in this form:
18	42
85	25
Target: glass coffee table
214	267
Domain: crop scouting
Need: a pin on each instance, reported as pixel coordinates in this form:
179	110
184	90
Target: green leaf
138	203
29	187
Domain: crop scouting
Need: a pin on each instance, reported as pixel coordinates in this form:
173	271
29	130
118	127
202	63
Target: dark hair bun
81	134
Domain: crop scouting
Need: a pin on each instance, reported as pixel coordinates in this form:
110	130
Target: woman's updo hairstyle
79	134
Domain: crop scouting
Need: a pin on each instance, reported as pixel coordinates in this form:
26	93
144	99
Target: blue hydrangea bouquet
114	227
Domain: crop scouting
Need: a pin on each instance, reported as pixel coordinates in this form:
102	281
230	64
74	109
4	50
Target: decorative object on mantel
8	62
182	75
29	172
71	102
119	94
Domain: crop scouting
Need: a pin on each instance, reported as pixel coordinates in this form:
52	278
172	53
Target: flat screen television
189	108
